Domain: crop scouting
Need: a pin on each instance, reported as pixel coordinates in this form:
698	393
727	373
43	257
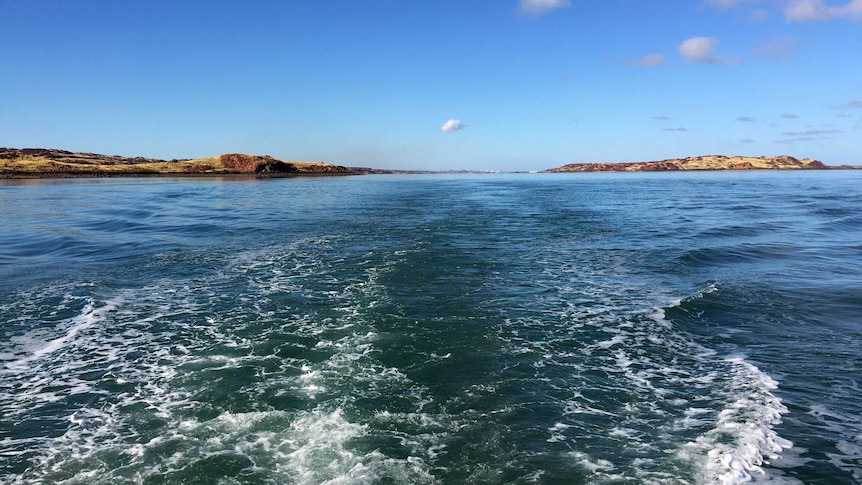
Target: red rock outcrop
255	164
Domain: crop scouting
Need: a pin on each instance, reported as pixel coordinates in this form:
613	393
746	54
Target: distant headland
49	163
706	162
43	162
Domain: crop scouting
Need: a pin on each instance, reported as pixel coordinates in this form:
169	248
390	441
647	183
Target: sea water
669	328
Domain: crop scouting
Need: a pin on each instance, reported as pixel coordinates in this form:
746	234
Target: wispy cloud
538	7
649	60
819	10
746	119
661	118
746	140
757	15
760	15
451	126
811	132
725	4
852	104
807	135
778	49
789	116
680	129
700	50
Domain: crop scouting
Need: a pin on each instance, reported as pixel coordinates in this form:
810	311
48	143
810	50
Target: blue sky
442	84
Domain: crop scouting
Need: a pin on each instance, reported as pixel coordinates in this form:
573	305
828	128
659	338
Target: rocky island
707	162
43	162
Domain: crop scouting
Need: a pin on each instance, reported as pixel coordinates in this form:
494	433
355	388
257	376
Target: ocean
645	328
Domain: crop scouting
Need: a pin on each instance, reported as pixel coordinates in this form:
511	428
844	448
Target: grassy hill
41	162
707	162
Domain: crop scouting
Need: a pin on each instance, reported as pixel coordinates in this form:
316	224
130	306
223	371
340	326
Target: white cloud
452	126
649	60
789	116
700	49
818	10
538	7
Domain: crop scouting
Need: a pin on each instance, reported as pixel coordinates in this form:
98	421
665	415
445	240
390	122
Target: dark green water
585	328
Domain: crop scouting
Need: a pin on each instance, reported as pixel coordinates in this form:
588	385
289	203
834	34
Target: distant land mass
706	162
43	162
48	163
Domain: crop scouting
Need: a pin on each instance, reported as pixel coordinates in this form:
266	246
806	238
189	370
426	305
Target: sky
435	84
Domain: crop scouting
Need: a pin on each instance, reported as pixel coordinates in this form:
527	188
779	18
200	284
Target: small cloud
697	49
747	140
759	15
852	104
452	126
789	116
700	50
661	118
538	7
811	132
746	119
818	10
676	129
778	49
649	60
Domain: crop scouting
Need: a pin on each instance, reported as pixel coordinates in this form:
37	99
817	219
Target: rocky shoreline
706	162
52	163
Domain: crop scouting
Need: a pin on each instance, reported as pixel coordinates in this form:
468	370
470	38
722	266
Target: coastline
703	163
190	175
42	163
52	163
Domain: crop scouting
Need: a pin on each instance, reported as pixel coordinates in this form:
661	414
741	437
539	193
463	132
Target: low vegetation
39	162
708	162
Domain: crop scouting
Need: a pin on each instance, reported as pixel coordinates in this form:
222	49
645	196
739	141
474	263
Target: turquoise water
566	328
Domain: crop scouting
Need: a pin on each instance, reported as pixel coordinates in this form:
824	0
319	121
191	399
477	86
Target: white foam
742	438
592	465
90	315
606	344
558	433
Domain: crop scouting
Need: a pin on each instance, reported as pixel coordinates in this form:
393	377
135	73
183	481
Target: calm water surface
586	328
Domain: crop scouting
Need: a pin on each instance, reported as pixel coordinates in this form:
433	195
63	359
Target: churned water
568	328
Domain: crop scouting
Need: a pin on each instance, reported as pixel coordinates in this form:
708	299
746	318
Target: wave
741	437
184	378
281	365
643	399
740	253
90	315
